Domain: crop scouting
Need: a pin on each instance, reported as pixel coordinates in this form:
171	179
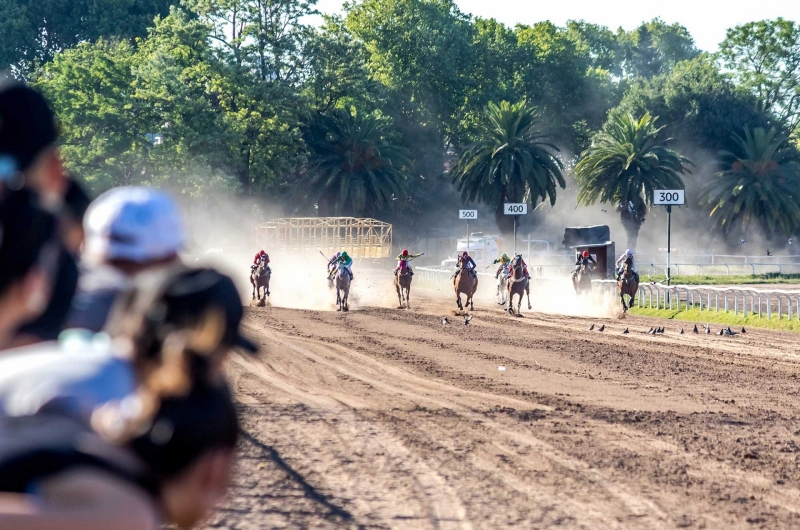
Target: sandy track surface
382	418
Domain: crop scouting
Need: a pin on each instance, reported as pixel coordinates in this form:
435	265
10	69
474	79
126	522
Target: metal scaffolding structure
361	238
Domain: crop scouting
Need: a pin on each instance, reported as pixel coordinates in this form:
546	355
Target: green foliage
759	185
512	162
356	168
33	31
625	164
765	59
724	319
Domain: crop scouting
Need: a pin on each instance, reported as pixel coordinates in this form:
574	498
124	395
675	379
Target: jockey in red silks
521	262
405	257
260	256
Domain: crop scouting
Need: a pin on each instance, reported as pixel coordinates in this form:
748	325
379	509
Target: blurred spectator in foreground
29	159
27	257
160	447
128	230
49	325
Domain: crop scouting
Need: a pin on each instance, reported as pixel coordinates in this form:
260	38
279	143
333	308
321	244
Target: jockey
468	262
406	257
524	267
260	256
627	257
583	259
504	262
347	261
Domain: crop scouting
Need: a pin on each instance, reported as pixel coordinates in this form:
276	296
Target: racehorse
342	288
465	283
502	288
582	281
517	284
402	282
627	285
259	278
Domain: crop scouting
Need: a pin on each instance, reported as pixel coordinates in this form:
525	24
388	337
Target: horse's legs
408	298
399	296
458	301
254	288
528	293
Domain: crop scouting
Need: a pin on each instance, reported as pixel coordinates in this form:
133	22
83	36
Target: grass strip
766	279
727	319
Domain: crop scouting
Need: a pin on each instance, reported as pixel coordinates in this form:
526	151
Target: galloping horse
627	285
342	288
582	281
502	289
259	278
465	283
517	284
402	282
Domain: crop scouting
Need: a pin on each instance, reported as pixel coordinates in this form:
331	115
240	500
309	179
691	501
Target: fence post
735	303
726	301
769	308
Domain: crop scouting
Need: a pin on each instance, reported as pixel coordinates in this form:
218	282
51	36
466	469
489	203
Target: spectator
48	326
29	158
128	230
160	450
27	257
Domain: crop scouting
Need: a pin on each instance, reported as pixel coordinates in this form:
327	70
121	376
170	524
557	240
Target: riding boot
351	276
411	272
395	272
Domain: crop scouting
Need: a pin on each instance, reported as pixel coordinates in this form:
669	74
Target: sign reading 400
511	208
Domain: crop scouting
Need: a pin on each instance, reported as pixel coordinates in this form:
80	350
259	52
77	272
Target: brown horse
628	285
465	283
402	282
517	285
259	278
582	280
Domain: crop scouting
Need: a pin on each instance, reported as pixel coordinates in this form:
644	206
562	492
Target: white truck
484	249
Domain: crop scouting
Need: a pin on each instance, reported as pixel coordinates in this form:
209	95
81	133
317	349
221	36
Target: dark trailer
597	240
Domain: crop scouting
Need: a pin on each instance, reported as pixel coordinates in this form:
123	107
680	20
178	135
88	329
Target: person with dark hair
49	325
29	159
27	257
129	230
80	448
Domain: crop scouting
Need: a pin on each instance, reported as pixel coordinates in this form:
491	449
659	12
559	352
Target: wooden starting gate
361	238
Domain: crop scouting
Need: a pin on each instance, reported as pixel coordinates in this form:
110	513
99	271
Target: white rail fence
687	269
742	301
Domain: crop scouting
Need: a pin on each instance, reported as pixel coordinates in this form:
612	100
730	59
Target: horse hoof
529	307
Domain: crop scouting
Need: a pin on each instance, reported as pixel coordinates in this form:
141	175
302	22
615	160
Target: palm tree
624	165
354	167
758	185
511	163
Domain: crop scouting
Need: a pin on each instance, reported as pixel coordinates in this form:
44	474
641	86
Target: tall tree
654	48
512	162
625	164
355	167
765	59
759	185
33	31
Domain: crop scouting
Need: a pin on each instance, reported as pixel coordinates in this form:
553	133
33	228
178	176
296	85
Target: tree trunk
632	225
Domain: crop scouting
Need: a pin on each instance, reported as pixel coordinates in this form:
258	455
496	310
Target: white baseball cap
133	223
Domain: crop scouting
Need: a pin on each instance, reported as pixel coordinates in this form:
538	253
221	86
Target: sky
706	20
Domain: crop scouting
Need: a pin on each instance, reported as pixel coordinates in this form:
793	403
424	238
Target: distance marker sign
669	197
511	208
468	214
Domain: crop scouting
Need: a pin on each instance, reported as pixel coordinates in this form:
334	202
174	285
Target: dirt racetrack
382	418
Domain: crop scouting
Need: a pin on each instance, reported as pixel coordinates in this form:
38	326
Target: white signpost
515	209
669	198
468	215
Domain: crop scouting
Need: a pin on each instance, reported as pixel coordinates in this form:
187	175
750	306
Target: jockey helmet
504	257
405	252
629	252
585	254
262	253
344	255
465	254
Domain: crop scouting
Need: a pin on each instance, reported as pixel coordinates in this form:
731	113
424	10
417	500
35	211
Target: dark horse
582	280
517	285
628	285
259	278
465	283
402	282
